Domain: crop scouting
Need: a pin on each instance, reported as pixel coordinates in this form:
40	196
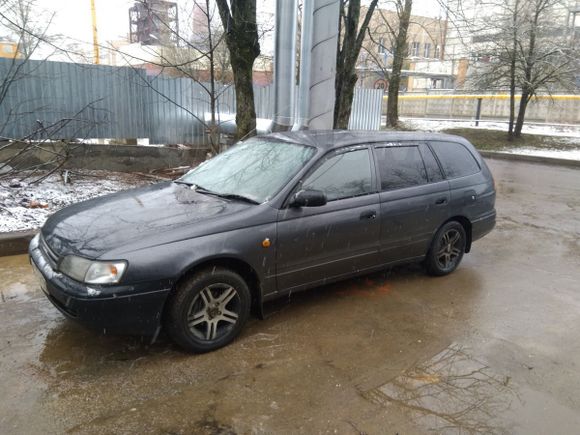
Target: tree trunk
213	127
522	113
343	105
513	58
245	108
347	57
242	41
512	100
528	89
393	100
398	60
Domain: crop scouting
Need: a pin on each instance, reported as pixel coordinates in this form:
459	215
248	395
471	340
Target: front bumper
121	309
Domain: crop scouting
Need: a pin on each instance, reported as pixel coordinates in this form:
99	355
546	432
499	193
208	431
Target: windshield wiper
183	182
201	189
238	197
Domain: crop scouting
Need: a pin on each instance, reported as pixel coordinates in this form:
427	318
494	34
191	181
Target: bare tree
16	21
20	19
544	58
26	23
241	33
21	161
203	57
398	33
198	53
386	46
213	127
526	49
351	37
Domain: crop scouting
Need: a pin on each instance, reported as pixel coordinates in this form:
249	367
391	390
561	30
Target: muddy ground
492	348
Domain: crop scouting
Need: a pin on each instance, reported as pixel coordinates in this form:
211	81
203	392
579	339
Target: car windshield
255	169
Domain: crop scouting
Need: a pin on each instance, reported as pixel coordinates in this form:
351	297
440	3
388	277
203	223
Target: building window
427	50
437	52
382	45
414	49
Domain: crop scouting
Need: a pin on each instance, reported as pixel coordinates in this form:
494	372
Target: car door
316	244
414	199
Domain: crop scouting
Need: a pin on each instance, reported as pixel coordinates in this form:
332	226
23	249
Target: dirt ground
492	348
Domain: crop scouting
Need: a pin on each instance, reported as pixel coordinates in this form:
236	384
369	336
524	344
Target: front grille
50	256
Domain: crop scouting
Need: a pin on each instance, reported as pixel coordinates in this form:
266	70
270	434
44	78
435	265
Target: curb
15	242
530	159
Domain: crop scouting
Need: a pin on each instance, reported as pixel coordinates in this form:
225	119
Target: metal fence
43	99
366	109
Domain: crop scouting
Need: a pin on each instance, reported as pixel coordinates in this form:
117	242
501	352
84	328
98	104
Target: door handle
441	201
368	214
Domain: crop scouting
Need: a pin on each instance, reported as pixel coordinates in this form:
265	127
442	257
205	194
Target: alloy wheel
214	312
449	249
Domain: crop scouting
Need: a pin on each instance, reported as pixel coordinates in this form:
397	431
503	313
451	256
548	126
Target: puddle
450	393
18	282
71	350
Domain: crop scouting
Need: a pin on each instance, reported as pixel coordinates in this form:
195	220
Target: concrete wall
562	109
121	158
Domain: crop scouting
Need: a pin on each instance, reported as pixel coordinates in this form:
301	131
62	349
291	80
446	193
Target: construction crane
95	36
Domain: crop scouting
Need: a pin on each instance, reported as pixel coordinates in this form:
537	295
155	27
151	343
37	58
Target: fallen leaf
36	204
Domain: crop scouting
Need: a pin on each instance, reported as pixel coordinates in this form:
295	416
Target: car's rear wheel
208	310
447	249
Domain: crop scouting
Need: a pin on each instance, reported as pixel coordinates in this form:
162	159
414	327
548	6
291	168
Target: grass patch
495	140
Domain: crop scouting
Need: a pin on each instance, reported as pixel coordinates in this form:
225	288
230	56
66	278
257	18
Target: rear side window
342	175
433	170
400	167
455	159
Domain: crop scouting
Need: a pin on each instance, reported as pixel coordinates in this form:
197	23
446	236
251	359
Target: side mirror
308	198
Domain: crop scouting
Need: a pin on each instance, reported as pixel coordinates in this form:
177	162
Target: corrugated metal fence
366	109
41	99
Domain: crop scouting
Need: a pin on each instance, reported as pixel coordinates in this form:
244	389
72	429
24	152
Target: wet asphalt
492	348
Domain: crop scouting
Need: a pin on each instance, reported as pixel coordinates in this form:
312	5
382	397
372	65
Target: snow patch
570	132
29	205
556	154
568	135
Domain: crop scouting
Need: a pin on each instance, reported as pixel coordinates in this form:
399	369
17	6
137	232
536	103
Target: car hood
91	228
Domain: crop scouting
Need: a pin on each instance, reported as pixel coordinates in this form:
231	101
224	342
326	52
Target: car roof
330	139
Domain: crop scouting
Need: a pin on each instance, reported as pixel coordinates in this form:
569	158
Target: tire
208	310
447	249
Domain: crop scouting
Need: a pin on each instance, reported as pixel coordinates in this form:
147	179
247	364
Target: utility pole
95	37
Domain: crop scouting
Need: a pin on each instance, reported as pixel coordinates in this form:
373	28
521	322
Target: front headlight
101	272
92	272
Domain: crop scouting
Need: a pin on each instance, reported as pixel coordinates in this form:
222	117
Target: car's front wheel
208	310
447	249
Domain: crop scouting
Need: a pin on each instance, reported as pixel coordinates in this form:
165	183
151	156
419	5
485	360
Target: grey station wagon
272	215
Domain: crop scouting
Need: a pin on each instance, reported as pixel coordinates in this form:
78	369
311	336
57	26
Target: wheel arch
241	267
466	223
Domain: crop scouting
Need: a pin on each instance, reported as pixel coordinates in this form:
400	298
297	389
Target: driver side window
342	175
